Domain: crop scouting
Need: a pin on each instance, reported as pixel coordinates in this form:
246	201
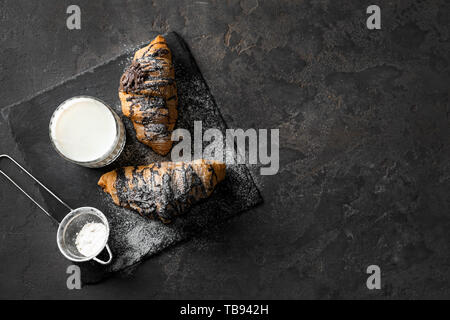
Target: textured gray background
364	134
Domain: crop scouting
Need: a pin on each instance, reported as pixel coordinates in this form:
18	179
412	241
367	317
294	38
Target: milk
83	129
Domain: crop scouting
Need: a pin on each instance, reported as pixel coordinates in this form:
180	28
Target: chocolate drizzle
149	95
149	108
165	190
133	78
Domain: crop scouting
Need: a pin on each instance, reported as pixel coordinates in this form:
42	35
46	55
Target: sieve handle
40	183
105	262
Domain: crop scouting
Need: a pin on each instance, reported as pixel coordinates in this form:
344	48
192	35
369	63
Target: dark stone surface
132	237
364	138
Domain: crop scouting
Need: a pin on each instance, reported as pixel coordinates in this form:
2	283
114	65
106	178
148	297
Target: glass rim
110	150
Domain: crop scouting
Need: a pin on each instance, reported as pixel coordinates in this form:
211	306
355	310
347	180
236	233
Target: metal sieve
72	223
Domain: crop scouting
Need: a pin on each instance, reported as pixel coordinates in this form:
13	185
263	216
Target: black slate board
132	237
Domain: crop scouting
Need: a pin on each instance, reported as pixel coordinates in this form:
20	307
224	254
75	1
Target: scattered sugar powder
91	239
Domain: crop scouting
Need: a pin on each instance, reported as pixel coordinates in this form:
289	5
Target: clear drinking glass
114	151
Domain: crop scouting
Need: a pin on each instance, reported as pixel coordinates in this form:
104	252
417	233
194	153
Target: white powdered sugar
91	239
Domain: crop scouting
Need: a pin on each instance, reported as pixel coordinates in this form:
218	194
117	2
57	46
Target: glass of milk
86	131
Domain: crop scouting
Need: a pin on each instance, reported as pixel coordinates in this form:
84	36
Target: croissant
164	189
148	95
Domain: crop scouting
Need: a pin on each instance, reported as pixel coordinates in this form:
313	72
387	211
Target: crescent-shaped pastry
148	95
165	189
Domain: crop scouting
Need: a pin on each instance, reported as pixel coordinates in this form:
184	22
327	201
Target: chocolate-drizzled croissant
164	189
149	95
